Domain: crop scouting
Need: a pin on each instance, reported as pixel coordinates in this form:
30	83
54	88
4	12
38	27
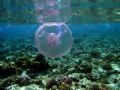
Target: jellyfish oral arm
53	40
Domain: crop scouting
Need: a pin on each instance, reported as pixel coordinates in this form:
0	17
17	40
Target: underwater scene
59	44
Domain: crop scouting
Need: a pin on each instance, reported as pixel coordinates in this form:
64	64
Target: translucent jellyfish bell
52	10
53	39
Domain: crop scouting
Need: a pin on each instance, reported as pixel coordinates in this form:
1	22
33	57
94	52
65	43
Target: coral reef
92	64
23	79
7	69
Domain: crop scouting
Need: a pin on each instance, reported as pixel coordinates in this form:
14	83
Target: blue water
26	30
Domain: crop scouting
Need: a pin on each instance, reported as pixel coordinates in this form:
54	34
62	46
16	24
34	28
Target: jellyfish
53	39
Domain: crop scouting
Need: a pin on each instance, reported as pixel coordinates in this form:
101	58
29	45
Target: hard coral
95	54
7	82
63	86
84	67
39	64
51	83
62	83
24	79
7	69
99	87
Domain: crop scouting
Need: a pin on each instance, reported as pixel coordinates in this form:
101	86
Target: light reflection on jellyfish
52	10
53	38
52	2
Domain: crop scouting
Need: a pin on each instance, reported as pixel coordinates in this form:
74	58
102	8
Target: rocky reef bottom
92	64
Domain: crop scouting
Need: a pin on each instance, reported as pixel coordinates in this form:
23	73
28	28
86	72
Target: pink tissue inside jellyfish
53	39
